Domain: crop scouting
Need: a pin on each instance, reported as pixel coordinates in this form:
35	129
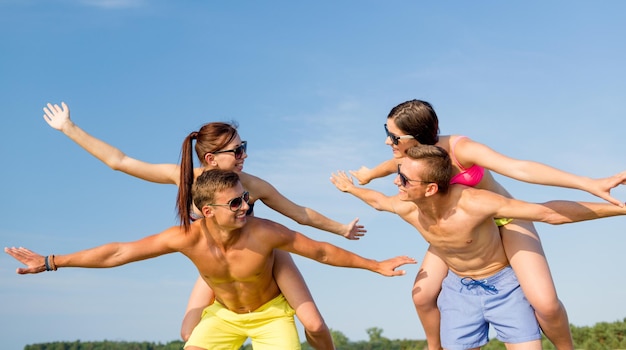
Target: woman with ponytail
415	122
218	145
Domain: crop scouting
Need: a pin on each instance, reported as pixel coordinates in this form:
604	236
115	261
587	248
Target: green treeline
601	336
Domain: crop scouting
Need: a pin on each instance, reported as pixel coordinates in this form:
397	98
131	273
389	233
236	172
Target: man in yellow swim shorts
234	255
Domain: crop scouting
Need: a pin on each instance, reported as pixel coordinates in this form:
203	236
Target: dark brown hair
211	182
439	167
210	138
417	118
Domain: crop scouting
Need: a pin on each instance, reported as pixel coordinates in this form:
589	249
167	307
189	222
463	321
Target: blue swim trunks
469	306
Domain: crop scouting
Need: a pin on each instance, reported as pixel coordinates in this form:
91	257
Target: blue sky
310	84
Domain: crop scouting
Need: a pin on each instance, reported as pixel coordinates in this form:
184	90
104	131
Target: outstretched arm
58	117
471	152
302	215
329	254
553	212
375	199
104	256
364	175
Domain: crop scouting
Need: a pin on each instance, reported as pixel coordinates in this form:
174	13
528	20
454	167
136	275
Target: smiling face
403	143
411	180
230	157
222	209
426	170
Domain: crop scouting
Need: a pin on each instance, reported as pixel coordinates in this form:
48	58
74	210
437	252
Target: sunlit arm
58	117
563	212
553	212
364	175
302	215
375	199
104	256
536	173
332	255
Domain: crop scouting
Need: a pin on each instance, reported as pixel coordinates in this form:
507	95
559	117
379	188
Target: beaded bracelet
49	262
52	264
45	261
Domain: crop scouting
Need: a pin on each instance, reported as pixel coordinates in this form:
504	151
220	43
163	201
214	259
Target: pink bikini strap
452	146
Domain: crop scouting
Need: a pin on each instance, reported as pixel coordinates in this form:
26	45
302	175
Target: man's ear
207	211
431	189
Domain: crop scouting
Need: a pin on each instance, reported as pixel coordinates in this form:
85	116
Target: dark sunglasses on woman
237	151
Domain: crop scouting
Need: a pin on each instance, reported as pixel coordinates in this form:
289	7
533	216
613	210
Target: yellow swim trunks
271	326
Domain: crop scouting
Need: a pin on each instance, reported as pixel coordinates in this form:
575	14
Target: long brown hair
210	138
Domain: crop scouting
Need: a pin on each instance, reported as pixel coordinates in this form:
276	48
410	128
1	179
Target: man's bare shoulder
263	224
474	200
179	238
402	208
260	227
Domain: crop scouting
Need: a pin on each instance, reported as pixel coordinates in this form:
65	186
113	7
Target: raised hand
35	263
57	117
388	267
355	232
602	187
362	175
342	181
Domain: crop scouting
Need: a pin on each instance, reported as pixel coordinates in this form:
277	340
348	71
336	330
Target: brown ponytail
184	198
210	138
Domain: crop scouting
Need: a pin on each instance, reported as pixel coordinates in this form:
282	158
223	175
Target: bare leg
529	345
425	291
297	293
523	248
201	296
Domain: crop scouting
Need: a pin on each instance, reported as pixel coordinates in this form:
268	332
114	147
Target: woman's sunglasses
395	139
235	203
237	151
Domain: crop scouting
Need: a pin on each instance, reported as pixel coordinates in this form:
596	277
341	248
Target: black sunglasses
404	180
395	139
235	203
237	151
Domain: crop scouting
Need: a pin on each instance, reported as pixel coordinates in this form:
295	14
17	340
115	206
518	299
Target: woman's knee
548	308
423	299
314	325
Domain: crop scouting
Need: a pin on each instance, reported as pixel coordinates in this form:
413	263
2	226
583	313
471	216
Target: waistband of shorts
276	300
496	277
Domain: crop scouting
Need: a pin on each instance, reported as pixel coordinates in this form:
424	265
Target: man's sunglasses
237	151
235	203
395	139
404	180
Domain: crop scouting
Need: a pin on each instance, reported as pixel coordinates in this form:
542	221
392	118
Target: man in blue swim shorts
468	306
234	253
458	222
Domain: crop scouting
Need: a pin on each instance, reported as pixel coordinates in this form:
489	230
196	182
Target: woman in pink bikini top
415	122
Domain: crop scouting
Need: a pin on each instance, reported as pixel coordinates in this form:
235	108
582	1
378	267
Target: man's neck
220	236
434	207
